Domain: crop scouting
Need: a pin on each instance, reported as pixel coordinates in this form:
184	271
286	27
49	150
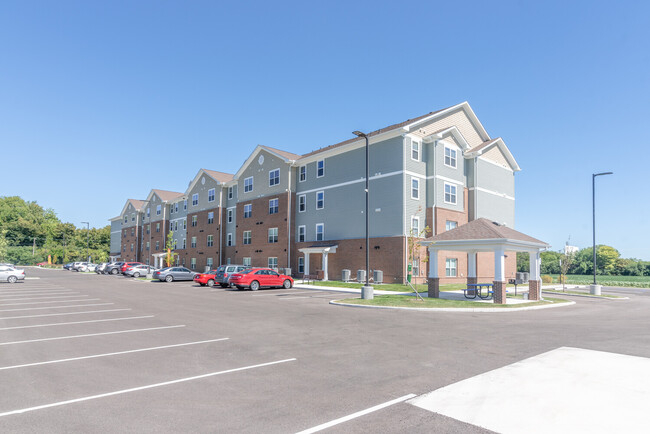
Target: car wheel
255	285
211	283
114	271
286	284
202	284
12	279
136	274
169	279
224	285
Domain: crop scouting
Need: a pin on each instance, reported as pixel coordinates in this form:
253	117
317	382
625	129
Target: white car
77	265
86	267
11	274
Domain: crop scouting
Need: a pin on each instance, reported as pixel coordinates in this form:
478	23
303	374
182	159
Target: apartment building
307	212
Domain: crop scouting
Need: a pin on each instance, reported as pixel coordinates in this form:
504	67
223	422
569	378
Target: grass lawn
624	281
410	301
559	291
397	287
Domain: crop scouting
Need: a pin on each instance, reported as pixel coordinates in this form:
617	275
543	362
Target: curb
588	296
457	309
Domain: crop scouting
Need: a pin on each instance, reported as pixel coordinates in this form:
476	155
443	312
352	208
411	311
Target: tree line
608	262
29	233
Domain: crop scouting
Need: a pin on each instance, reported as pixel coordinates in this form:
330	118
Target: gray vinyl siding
116	236
231	228
415	170
260	174
202	190
155	201
495	178
233	201
495	208
130	210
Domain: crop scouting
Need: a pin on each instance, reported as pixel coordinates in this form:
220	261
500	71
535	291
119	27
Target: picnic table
474	289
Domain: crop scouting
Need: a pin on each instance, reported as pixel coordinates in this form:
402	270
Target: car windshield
165	269
212	272
246	271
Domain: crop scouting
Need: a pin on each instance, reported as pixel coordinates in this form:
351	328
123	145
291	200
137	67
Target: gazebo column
433	280
306	270
534	282
324	264
471	270
499	287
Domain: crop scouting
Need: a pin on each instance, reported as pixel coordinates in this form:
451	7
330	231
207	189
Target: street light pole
595	288
367	291
87	240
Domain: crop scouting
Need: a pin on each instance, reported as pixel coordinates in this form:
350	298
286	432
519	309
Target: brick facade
201	231
535	290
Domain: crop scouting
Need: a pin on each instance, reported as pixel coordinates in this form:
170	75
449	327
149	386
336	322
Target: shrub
547	279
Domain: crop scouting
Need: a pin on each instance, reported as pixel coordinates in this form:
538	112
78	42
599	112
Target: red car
206	278
128	265
256	278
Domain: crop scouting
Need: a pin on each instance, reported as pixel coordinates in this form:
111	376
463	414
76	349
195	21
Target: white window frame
273	262
451	267
193	263
229	239
248	184
230	215
175	225
302	173
322	205
185	204
185	243
185	223
158	209
301	264
249	238
302	203
148	212
453	159
448	225
416	189
249	212
209	262
318	169
230	192
322	226
195	221
454	194
210	241
246	260
211	195
415	233
415	148
275	209
195	199
193	243
272	178
273	232
211	217
302	233
176	207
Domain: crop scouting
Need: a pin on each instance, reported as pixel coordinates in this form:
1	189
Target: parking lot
92	353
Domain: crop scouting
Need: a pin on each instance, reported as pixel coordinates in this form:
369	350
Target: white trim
444	156
322	207
252	184
214	194
299	168
316	231
485	190
279	177
419	142
444	194
414	217
503	148
468	111
231	207
304	197
449	180
482	158
413	178
317	161
304	233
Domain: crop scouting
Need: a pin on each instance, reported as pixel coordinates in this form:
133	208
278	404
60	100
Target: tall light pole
87	240
366	291
595	288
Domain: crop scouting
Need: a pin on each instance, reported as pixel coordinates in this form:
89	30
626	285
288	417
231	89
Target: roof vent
496	223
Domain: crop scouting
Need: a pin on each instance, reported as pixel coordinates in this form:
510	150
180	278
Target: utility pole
34	247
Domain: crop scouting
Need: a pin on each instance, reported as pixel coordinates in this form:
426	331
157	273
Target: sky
102	101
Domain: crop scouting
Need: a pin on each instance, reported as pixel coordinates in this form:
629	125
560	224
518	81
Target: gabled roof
137	204
484	229
164	195
487	145
283	155
219	176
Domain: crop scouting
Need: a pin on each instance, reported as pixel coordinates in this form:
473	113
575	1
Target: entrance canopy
323	249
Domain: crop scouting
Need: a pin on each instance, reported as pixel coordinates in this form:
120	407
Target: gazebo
483	235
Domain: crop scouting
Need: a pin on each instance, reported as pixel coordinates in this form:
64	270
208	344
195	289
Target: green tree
523	262
550	262
3	245
169	245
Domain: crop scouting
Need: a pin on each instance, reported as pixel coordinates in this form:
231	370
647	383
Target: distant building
570	249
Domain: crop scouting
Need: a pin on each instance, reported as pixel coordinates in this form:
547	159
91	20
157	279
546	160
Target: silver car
170	274
11	274
139	270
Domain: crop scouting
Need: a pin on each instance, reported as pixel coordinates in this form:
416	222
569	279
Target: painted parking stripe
48	302
61	314
31	293
76	322
279	294
136	389
43	298
94	356
91	334
55	307
357	414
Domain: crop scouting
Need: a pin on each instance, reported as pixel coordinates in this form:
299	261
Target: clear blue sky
101	101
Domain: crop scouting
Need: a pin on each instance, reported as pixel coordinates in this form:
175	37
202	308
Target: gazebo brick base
499	292
434	287
471	281
534	289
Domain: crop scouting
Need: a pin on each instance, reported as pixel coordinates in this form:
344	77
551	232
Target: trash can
361	275
520	276
287	271
345	275
526	277
378	276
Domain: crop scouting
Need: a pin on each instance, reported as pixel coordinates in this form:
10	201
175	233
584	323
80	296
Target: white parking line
55	307
357	414
42	298
278	294
91	334
94	356
135	389
49	302
32	293
76	322
60	314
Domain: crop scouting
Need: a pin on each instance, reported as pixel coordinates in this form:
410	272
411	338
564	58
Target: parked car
77	265
139	270
7	264
113	268
87	267
207	278
42	264
101	267
68	266
11	274
127	265
225	271
256	278
170	274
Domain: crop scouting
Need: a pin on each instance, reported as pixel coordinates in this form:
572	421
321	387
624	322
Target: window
176	207
450	157
248	185
274	177
211	195
210	217
248	210
449	225
157	245
247	237
157	209
229	192
148	212
148	245
193	263
209	263
302	203
301	233
302	173
184	223
320	168
185	204
415	226
133	217
171	209
229	240
415	188
247	261
174	244
195	199
148	228
131	246
416	267
273	235
320	232
184	243
320	200
450	267
195	220
450	193
273	263
274	206
301	264
157	227
193	243
210	240
230	215
126	219
132	231
415	150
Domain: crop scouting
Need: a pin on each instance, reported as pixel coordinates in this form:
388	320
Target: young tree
566	260
169	245
3	245
413	247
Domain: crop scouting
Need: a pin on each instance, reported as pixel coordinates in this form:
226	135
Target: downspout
289	216
137	232
220	226
475	187
405	194
164	240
